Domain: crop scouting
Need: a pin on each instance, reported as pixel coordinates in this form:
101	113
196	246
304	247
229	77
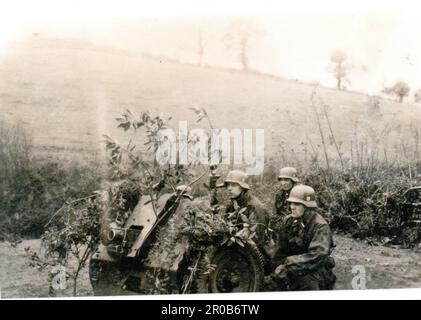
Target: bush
31	191
363	202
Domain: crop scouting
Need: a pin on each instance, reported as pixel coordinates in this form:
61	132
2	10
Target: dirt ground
384	267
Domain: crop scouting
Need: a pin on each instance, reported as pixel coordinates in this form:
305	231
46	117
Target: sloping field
67	93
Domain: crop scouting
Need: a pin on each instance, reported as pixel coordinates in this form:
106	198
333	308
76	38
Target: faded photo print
209	152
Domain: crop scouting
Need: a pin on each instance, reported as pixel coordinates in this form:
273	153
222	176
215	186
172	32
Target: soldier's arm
275	211
214	198
318	250
260	217
282	251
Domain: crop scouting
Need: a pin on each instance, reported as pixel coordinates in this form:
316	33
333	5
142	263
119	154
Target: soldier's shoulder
318	219
259	206
254	201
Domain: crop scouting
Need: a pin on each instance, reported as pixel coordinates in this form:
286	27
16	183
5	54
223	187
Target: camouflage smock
256	213
281	204
305	244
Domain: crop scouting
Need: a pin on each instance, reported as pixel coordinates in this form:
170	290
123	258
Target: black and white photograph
171	151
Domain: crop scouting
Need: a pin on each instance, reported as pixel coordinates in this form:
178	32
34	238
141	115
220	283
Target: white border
107	8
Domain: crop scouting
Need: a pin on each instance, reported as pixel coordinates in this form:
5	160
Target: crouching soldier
305	244
240	197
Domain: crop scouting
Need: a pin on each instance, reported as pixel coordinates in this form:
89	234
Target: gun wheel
231	269
237	269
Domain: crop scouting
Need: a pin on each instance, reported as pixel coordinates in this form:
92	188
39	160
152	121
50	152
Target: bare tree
239	35
400	89
339	67
417	96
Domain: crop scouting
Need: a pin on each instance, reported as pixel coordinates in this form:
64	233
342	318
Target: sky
381	39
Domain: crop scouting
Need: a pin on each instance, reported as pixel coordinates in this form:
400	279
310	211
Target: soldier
305	245
239	191
288	179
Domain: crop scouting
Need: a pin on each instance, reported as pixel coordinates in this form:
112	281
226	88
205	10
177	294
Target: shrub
32	190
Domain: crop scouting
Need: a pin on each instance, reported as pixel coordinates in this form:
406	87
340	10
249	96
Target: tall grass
32	190
361	188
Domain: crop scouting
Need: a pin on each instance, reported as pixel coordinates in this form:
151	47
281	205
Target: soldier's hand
270	248
281	271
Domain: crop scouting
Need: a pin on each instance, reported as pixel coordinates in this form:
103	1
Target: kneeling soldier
305	245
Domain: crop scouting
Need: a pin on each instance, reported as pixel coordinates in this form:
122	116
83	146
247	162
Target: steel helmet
288	173
303	194
237	176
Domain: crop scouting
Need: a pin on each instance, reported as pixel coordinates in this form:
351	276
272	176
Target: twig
67	204
207	117
320	130
333	136
192	273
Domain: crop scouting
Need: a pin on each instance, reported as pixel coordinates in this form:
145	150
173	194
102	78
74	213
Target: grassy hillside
67	93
